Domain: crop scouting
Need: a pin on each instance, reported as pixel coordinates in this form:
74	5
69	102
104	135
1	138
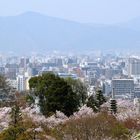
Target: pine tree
92	103
54	93
16	116
96	101
15	128
100	99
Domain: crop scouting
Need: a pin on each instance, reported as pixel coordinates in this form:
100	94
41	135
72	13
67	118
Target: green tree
79	88
100	99
15	128
54	94
30	99
16	116
7	92
95	101
92	103
3	83
4	87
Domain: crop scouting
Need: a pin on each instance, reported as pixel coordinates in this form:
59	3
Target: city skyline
69	69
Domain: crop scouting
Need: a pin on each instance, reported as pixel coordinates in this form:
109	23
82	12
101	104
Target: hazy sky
99	11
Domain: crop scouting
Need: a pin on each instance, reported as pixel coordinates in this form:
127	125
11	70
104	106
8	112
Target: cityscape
70	70
115	74
105	71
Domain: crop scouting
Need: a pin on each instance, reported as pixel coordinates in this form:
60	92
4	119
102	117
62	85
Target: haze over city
70	70
40	26
90	11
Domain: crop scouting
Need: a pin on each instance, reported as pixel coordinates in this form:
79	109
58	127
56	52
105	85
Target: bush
97	128
132	124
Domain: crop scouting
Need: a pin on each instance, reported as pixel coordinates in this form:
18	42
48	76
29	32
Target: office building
123	87
134	67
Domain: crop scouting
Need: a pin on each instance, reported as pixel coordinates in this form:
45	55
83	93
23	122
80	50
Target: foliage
54	94
21	129
15	128
5	88
100	98
136	137
16	116
95	101
3	83
88	128
30	99
79	88
84	111
132	123
92	103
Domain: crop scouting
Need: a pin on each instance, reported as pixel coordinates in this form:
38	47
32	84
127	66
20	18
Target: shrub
97	128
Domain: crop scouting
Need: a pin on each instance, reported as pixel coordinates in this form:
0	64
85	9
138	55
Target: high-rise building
24	62
21	83
134	67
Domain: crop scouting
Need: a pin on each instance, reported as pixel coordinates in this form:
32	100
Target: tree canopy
4	85
79	88
95	101
54	94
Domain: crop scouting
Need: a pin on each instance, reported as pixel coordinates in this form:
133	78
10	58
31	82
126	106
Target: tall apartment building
123	87
23	62
21	83
134	67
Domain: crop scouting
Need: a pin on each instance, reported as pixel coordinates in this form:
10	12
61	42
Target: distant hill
35	32
133	24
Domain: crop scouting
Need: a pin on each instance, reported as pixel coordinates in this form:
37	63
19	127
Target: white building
107	87
67	75
123	87
21	83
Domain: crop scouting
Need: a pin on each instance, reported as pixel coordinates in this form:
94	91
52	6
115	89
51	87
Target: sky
89	11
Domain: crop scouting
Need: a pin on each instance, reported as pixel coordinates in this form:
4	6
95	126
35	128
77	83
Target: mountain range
34	32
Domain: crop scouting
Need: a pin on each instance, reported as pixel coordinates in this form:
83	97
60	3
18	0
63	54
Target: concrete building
107	87
123	87
21	83
134	67
68	75
137	91
24	62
